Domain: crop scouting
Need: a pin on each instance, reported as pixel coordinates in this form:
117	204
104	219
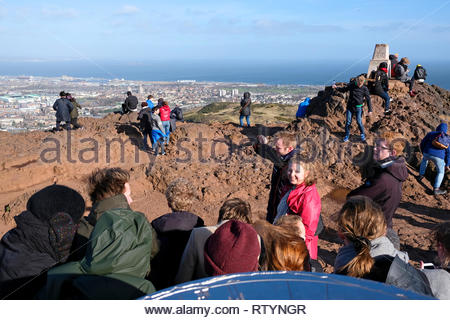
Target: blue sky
218	30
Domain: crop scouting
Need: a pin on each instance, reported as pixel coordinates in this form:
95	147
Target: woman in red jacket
164	113
303	200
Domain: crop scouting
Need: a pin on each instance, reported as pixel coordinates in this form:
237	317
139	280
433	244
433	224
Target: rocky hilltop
219	160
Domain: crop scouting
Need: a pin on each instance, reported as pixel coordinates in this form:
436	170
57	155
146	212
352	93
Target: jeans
166	127
145	134
440	168
348	121
387	100
241	118
157	144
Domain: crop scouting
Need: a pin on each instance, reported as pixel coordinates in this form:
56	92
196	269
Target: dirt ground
219	161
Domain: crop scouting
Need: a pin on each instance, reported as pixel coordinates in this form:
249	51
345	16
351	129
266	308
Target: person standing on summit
245	111
130	103
358	91
63	108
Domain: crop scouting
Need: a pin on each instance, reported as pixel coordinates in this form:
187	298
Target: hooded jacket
381	81
116	262
385	186
144	117
131	103
420	73
401	72
357	95
41	239
164	113
63	108
439	282
302	107
245	104
426	145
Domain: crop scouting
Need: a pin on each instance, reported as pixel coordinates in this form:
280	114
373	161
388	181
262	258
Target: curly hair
180	195
107	182
235	209
361	220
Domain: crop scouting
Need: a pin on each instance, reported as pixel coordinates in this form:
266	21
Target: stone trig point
380	54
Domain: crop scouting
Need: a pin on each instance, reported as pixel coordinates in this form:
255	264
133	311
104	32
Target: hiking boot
387	112
345	139
163	153
420	178
412	94
438	192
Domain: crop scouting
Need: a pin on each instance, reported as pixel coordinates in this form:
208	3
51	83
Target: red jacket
164	113
305	202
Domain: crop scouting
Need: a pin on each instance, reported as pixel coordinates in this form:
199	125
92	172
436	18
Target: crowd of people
114	252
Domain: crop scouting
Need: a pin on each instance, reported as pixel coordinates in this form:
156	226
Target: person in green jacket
74	112
109	188
116	262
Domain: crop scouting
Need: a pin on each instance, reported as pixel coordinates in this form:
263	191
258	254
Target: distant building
222	93
234	92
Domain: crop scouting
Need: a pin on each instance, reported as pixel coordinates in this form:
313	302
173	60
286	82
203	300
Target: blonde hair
293	223
288	138
106	183
235	209
180	195
394	141
360	221
311	176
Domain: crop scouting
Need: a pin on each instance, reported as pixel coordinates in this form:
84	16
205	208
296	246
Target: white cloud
128	10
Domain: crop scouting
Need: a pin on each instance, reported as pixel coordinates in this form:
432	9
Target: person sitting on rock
130	103
303	200
439	277
173	230
284	150
368	254
381	86
358	91
192	264
41	240
420	74
394	61
233	248
63	108
386	175
401	73
435	148
109	189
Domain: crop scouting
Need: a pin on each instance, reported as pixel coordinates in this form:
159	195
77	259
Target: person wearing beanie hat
233	248
41	239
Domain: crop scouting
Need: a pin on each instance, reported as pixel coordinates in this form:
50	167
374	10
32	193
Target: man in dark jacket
381	86
175	115
145	122
63	108
285	149
41	239
130	103
358	91
420	74
438	153
384	186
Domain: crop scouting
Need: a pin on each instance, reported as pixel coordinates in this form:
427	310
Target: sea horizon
262	72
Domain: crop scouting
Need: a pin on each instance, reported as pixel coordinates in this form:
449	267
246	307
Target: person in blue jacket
439	155
302	107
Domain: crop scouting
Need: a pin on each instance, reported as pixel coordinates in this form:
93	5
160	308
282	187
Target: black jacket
145	119
173	230
385	186
131	103
63	108
357	95
381	82
420	73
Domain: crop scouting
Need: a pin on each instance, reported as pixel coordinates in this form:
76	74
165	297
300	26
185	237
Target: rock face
220	162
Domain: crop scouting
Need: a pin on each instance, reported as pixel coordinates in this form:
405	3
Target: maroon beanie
233	248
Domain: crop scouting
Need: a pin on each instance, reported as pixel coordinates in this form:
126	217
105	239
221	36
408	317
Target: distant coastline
273	73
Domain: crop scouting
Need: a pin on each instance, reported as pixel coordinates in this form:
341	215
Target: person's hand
421	264
334	86
262	139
